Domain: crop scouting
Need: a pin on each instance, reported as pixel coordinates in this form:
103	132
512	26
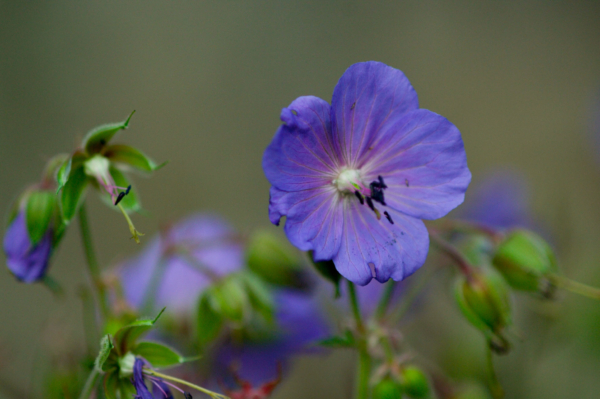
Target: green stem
576	287
184	382
364	363
495	387
90	383
92	262
384	302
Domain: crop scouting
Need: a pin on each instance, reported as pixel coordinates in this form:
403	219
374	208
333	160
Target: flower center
349	181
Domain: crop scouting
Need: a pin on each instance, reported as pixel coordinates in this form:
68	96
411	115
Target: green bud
526	261
273	259
126	364
387	389
484	300
230	298
415	382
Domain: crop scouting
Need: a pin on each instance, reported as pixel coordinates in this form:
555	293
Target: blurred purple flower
178	265
28	263
354	179
299	321
500	201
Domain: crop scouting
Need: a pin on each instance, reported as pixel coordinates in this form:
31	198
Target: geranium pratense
354	179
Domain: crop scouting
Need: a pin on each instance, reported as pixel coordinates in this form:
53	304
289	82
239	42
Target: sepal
39	212
160	356
125	339
328	270
72	194
131	157
99	137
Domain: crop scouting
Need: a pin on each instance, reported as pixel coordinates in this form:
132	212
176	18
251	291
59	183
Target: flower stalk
90	383
92	262
364	364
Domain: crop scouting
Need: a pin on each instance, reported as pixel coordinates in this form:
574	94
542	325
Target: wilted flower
354	179
180	263
26	261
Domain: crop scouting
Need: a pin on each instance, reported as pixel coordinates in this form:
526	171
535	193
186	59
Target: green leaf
208	322
125	338
159	356
62	176
39	212
98	137
73	193
337	341
106	346
129	202
130	156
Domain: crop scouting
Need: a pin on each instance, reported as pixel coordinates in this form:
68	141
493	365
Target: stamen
360	197
122	194
377	192
381	183
388	217
187	395
377	213
370	203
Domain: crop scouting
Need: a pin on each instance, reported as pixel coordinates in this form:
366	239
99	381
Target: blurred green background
208	79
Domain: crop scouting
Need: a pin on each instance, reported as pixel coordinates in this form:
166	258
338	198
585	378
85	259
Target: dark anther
388	217
377	192
370	203
381	183
187	395
120	197
406	182
360	197
353	105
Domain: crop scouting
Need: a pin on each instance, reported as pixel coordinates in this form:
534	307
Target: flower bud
483	298
388	389
415	382
526	262
274	260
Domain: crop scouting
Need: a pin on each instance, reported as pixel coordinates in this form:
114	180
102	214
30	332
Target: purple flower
354	179
299	323
500	201
26	261
179	264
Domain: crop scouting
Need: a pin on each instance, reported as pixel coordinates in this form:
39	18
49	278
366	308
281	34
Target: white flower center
348	181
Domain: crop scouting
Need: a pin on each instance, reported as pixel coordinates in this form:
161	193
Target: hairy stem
453	253
384	302
90	383
495	387
576	287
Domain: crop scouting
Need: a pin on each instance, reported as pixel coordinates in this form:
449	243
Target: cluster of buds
43	211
